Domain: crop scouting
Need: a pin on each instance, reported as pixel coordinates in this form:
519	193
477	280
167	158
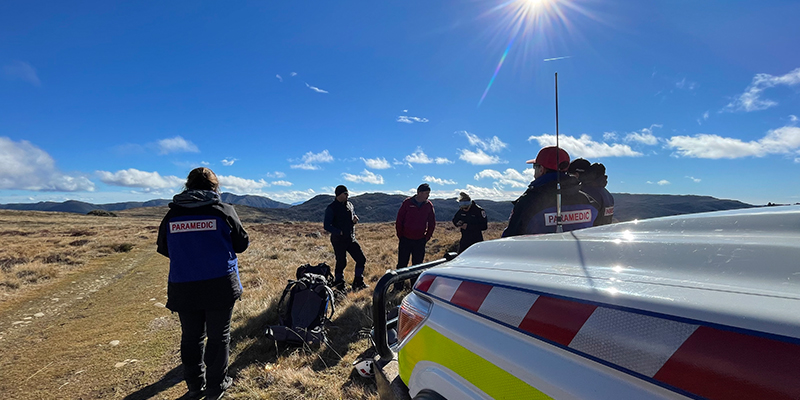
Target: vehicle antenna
559	226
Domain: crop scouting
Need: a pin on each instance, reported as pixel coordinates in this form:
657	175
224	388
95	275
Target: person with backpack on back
536	210
201	236
340	220
471	219
593	180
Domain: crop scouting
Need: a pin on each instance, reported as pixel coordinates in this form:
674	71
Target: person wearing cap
536	211
471	219
578	166
340	220
415	223
593	181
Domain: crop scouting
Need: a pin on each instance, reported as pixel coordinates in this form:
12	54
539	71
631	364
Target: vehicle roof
737	268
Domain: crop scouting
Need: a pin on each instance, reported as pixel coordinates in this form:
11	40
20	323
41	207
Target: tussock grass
44	247
38	247
275	252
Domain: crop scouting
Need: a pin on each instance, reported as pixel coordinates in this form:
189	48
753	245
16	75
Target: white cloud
683	84
293	196
140	179
176	145
405	111
479	157
205	163
493	145
279	78
418	157
609	135
282	183
376	163
293	74
22	71
751	99
777	141
494	193
585	147
316	89
410	120
705	116
237	185
439	181
663	182
23	166
695	180
442	160
644	136
276	174
365	177
310	160
227	162
793	118
509	177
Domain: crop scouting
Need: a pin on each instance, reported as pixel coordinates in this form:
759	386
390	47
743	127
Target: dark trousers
342	246
415	248
195	326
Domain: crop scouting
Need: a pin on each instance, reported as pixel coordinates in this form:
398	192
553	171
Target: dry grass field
81	312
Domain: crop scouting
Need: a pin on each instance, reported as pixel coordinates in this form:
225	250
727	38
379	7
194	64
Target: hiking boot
216	393
195	392
339	285
399	286
358	284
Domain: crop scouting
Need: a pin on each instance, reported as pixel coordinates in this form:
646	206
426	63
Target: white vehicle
697	306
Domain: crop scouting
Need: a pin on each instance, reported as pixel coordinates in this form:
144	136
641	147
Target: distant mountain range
381	207
74	206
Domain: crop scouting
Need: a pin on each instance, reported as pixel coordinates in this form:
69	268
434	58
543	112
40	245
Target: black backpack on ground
305	305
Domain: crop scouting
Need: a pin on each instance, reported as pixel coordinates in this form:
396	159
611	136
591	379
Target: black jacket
201	236
475	218
535	211
339	220
596	188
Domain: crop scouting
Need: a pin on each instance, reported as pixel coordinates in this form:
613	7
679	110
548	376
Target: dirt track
100	333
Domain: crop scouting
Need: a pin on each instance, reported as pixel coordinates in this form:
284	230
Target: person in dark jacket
535	211
201	236
471	219
340	220
593	180
415	223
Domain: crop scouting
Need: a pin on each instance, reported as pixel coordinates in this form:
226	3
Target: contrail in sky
557	58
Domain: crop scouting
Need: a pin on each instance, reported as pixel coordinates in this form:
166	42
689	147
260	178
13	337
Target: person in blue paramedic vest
201	236
535	211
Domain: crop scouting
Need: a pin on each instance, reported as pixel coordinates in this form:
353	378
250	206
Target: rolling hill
381	207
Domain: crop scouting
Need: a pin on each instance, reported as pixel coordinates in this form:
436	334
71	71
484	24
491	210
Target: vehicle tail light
413	312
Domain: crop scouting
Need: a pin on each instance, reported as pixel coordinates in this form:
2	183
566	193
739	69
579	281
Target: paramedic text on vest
201	236
535	211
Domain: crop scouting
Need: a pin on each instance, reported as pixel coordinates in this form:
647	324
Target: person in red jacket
415	223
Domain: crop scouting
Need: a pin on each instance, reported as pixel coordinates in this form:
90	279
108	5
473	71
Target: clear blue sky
105	101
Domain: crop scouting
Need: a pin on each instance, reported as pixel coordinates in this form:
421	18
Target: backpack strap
281	312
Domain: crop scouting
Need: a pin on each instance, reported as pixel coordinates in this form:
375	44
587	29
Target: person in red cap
535	211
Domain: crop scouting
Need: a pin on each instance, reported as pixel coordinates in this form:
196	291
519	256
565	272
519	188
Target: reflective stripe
689	357
430	345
